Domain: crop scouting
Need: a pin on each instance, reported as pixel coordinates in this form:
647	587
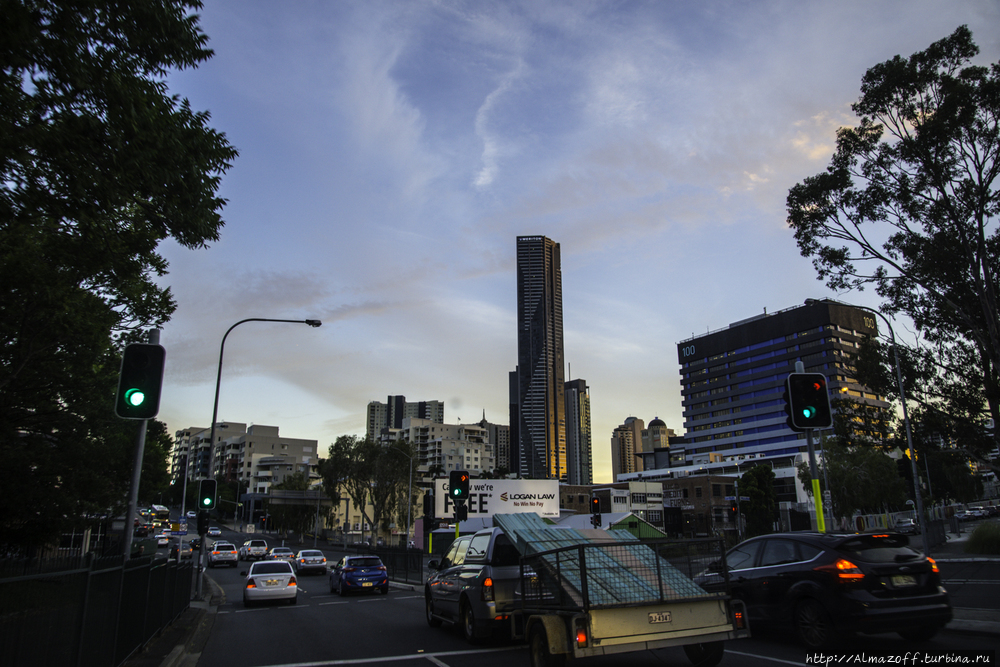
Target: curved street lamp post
906	422
215	412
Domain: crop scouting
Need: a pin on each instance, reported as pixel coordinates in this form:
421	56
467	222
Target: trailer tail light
582	640
487	594
934	567
738	619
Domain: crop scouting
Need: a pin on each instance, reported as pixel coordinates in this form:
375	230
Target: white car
269	580
310	560
222	553
214	531
281	553
163	540
192	514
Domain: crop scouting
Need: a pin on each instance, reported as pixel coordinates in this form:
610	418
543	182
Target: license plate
367	583
271	582
659	617
903	580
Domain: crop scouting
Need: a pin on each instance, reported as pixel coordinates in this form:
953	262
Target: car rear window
364	562
271	568
879	548
258	543
224	547
312	554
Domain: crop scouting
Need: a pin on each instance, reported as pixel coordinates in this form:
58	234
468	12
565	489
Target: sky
391	152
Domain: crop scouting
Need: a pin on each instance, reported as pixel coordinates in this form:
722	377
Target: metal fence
87	611
405	565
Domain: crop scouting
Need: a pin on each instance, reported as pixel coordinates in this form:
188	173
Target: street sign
745	499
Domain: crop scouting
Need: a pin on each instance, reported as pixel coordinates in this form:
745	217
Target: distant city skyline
392	152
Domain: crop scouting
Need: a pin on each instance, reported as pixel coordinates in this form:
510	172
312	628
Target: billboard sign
501	496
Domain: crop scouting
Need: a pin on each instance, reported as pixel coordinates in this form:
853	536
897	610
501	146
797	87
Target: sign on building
501	496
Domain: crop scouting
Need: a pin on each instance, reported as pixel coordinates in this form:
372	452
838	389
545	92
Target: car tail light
291	581
350	569
844	569
381	568
487	594
740	622
251	584
934	567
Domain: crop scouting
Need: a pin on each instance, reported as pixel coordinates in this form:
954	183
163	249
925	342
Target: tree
861	479
293	517
758	484
98	165
909	205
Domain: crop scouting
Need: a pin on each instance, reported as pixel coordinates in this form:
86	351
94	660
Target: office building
442	448
733	383
579	463
626	444
540	451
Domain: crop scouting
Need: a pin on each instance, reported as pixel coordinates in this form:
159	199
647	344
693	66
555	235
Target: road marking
409	597
323	604
432	657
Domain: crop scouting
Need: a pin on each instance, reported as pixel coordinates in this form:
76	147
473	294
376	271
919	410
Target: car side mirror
433	564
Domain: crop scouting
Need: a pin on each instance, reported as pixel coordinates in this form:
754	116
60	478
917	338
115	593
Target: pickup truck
579	593
253	550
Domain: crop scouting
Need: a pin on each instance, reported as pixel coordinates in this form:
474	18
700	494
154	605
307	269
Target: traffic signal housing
203	522
139	381
595	511
206	494
458	485
461	512
807	401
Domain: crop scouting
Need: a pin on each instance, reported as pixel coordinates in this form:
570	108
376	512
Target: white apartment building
449	446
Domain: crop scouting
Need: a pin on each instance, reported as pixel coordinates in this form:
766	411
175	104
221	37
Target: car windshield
879	548
364	562
270	568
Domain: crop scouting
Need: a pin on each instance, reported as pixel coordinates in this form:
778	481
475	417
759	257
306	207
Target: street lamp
215	407
906	422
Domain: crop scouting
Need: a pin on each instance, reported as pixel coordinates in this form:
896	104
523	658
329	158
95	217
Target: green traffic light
135	397
206	501
809	412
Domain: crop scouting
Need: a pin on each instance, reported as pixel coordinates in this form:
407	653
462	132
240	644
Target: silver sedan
269	580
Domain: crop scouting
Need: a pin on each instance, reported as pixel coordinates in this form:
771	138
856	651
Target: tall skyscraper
541	428
578	436
626	442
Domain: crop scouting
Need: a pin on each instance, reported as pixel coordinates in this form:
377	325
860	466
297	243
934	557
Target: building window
697	492
716	490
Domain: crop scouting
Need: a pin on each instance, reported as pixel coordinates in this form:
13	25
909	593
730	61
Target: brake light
739	621
381	568
934	567
487	594
350	569
581	633
291	581
251	584
844	569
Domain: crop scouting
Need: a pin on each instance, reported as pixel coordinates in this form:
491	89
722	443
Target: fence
87	611
402	564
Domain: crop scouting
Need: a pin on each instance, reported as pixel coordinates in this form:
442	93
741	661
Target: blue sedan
359	573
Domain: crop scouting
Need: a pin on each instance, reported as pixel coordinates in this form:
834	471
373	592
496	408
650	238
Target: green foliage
985	539
909	206
861	479
98	165
758	484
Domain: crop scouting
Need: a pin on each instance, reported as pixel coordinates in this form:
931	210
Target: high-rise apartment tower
540	451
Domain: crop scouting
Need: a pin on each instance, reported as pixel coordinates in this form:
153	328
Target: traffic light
139	381
203	522
458	485
595	511
206	494
734	509
807	401
428	505
461	512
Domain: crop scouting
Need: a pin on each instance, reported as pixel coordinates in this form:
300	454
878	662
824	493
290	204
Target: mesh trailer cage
611	574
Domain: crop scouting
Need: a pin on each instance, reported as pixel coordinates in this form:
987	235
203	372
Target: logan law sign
502	496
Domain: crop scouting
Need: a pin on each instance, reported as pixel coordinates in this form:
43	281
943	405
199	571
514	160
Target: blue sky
391	152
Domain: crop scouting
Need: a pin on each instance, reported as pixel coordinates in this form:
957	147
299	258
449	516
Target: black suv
828	585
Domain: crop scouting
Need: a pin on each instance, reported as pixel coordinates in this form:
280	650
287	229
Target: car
907	526
222	553
359	573
475	585
962	515
269	580
192	514
184	547
214	531
163	540
281	553
309	560
825	586
253	550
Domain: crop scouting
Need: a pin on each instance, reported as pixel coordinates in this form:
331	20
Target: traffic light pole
131	512
817	492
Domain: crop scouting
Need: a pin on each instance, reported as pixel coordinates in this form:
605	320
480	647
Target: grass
985	539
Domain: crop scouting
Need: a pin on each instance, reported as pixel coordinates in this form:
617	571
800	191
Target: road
325	629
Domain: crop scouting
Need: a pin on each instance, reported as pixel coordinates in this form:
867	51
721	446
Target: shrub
985	539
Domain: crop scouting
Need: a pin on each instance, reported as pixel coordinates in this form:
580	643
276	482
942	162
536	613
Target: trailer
595	592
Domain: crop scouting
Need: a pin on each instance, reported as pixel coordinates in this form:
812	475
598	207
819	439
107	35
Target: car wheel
293	599
919	634
432	620
469	623
813	625
333	589
385	590
538	649
246	603
708	654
